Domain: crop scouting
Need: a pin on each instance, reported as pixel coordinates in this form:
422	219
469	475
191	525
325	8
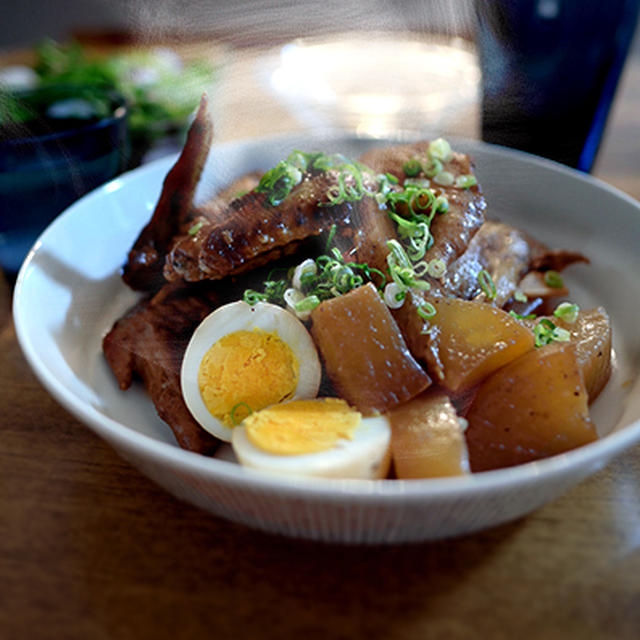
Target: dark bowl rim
119	114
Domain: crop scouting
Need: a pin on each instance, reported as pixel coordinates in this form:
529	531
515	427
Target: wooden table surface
91	549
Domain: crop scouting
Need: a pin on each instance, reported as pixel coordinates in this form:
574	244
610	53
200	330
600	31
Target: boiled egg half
322	437
243	358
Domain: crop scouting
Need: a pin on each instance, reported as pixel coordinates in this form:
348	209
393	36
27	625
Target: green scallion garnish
252	297
440	149
432	167
553	279
426	311
279	182
315	280
273	292
195	228
466	181
441	204
444	178
307	304
412	167
233	414
546	332
567	312
419	183
436	268
519	316
486	284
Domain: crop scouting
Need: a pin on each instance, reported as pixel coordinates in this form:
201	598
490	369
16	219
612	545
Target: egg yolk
302	426
246	370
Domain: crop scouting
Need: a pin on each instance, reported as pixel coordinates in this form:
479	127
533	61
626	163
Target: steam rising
269	20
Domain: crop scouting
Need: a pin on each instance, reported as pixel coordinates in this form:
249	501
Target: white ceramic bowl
69	293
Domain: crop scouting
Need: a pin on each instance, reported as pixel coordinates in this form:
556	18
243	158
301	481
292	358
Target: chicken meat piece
143	269
253	231
453	230
149	343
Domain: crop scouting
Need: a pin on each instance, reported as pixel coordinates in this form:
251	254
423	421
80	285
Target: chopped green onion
519	316
432	167
325	161
330	237
436	268
299	303
344	278
553	279
399	255
419	183
234	410
393	295
440	149
412	167
561	335
444	178
567	312
421	268
426	311
307	304
305	268
543	332
466	181
417	234
195	228
300	159
273	292
351	184
381	199
520	296
486	284
441	204
546	332
252	297
391	178
292	296
279	182
402	271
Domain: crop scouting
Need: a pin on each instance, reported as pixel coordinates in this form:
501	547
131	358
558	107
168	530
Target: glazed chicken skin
253	232
466	206
145	261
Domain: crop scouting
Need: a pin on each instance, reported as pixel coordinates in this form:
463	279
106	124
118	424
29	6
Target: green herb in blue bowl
56	144
161	89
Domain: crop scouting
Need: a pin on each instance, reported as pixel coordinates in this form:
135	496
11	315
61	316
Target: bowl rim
596	454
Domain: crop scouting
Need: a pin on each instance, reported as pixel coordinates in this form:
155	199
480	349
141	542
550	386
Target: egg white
240	316
365	456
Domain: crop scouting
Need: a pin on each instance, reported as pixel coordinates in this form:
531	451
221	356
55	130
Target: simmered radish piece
365	355
591	334
534	407
464	341
427	438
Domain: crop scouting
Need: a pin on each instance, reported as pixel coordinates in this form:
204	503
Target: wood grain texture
89	548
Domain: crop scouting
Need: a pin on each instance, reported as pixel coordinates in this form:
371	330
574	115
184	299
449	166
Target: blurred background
318	82
546	76
241	21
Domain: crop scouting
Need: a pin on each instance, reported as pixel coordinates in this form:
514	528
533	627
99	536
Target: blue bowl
65	150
